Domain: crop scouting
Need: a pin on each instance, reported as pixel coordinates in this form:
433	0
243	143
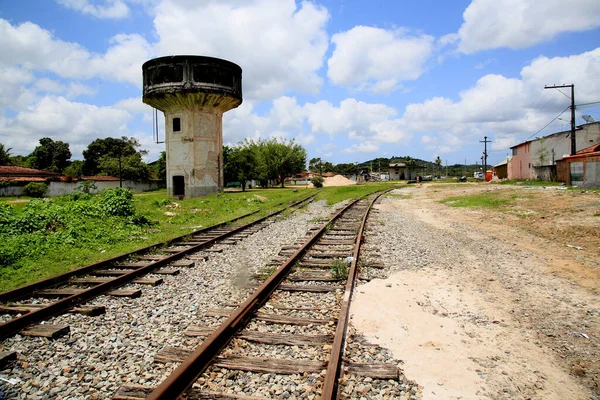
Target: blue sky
349	80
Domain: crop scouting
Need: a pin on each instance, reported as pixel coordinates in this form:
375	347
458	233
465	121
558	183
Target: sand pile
338	180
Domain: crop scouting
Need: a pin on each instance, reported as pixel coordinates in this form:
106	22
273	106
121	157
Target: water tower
193	92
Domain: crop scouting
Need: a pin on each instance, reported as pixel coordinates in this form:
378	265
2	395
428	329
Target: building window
515	152
176	125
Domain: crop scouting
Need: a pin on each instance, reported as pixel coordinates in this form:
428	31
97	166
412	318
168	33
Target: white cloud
507	108
71	91
58	118
113	9
490	24
367	147
35	49
279	45
351	115
377	60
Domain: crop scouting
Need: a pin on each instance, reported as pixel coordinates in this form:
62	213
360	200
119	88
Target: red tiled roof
22	179
98	178
8	170
592	149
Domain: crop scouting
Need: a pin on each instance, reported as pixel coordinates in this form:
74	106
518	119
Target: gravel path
102	353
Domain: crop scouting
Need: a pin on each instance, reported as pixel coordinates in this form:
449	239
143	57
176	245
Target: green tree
241	164
50	155
130	167
5	158
111	147
315	165
282	158
75	169
438	163
161	167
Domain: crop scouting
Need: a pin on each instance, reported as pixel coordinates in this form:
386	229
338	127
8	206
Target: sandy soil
488	303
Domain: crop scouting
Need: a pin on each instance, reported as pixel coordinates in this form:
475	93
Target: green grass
486	200
71	240
335	194
75	241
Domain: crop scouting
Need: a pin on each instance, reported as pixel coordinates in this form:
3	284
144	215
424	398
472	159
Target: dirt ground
497	303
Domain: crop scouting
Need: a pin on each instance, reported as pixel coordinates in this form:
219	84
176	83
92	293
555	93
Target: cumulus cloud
279	45
35	49
509	108
112	9
491	24
377	60
61	119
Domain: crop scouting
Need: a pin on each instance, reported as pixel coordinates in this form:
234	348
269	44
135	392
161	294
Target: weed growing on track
339	269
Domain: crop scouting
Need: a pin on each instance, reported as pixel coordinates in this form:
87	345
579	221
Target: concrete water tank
193	92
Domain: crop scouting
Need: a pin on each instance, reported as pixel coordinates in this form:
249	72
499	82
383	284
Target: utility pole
572	86
484	158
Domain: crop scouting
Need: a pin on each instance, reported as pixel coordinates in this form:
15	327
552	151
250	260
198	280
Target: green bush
317	181
117	202
35	189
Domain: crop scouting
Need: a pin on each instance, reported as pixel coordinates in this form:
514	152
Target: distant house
500	170
581	169
537	159
25	175
401	171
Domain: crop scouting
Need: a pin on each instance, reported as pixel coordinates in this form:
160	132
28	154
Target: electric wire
545	126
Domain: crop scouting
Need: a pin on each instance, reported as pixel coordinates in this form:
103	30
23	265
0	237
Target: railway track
25	307
309	294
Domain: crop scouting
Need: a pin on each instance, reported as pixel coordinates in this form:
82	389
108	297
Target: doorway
178	185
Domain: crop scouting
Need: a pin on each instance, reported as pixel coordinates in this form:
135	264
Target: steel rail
24	291
196	363
330	384
15	325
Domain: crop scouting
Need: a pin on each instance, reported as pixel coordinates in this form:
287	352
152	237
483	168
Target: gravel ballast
102	353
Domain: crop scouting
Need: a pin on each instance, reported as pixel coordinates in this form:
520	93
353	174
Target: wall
519	166
549	149
403	173
545	173
585	172
62	188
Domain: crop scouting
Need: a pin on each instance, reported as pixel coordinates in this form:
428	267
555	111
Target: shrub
35	189
317	181
117	202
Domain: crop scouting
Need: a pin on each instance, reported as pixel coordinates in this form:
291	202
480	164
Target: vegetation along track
307	286
74	288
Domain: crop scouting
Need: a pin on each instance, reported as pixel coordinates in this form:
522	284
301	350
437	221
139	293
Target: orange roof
99	178
592	149
21	171
22	179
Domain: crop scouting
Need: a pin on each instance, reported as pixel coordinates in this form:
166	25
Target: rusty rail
330	383
15	325
192	367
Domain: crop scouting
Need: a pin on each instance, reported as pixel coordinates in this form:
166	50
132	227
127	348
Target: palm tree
4	155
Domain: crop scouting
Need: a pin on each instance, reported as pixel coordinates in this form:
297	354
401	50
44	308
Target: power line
545	126
588	104
564	94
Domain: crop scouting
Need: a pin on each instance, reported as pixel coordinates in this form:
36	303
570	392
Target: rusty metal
192	367
14	325
24	291
330	383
